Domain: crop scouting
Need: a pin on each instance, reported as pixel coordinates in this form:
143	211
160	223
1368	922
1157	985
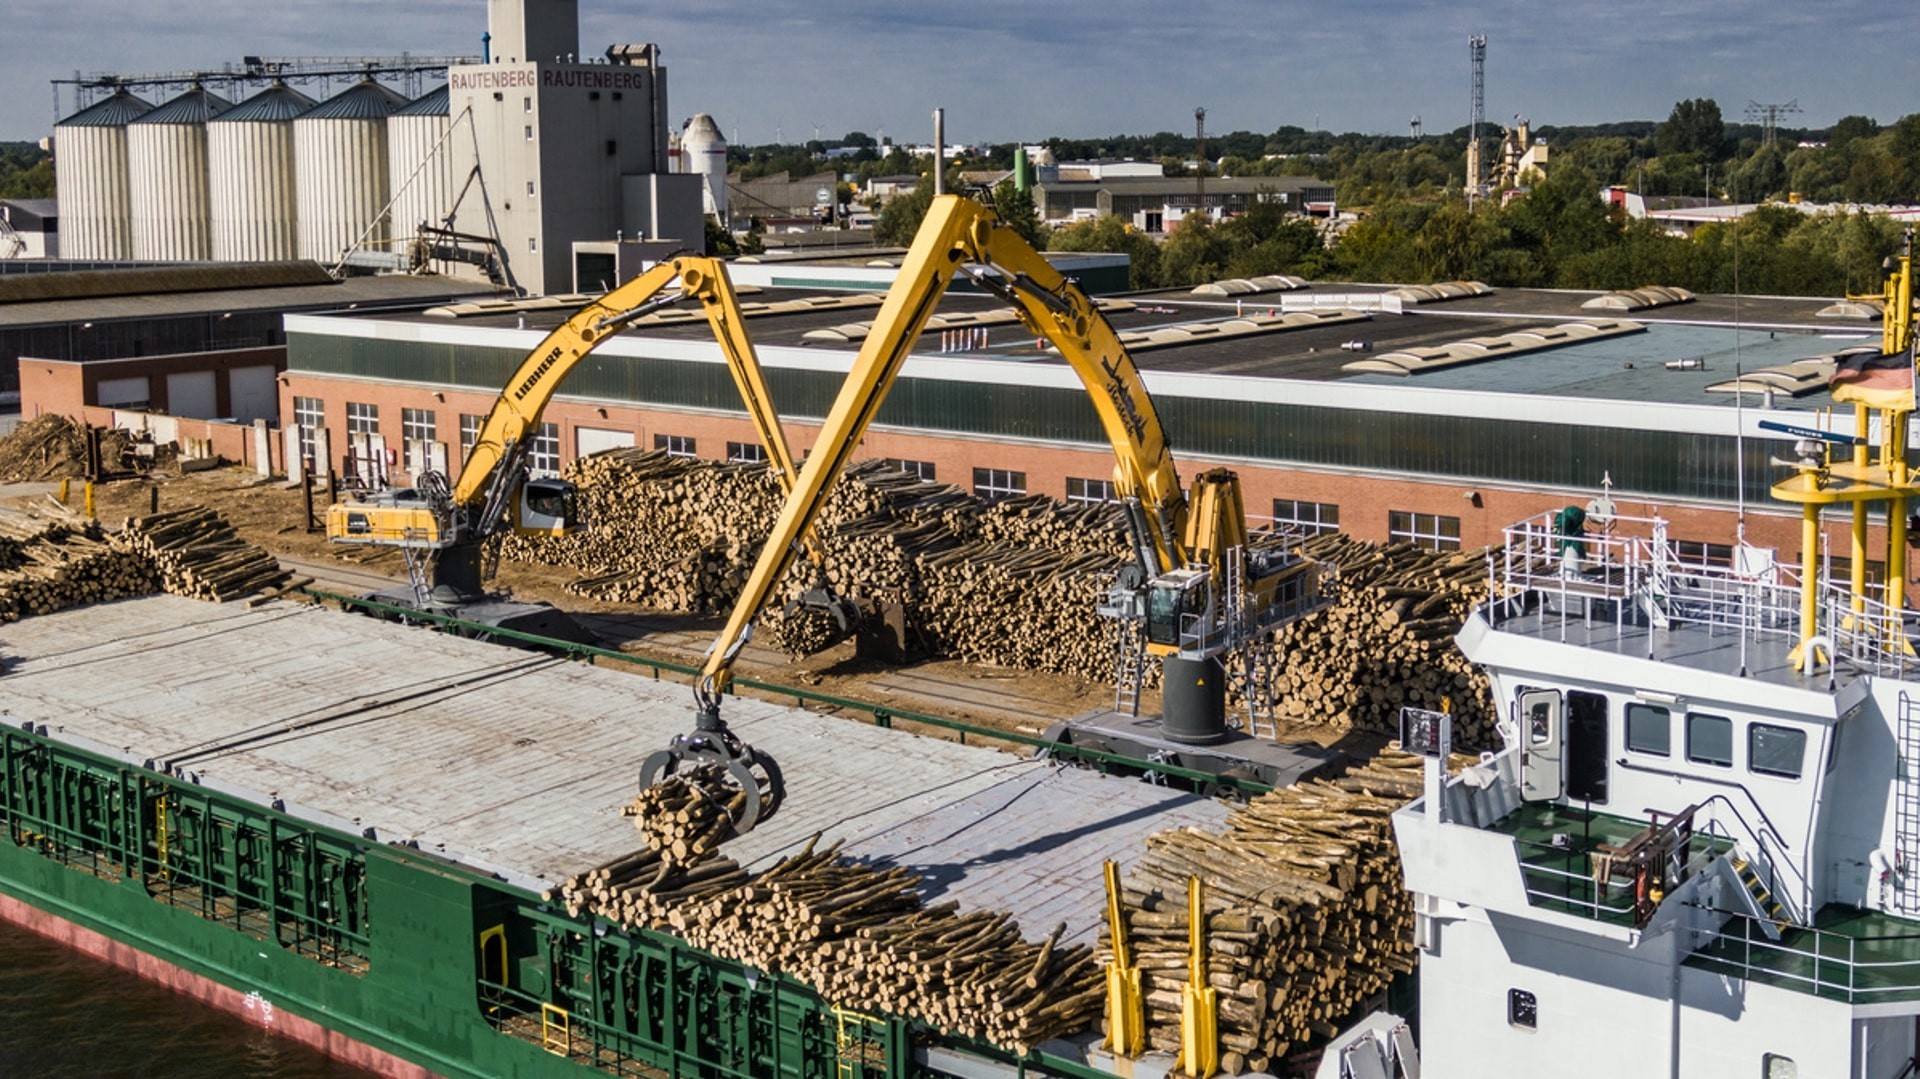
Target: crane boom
1178	595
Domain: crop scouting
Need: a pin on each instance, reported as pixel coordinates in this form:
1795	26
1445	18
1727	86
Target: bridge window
1775	751
1649	729
1710	740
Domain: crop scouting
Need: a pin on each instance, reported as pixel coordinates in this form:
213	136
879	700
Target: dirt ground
274	515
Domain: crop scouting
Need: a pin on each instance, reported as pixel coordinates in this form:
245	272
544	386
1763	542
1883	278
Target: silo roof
364	100
117	111
276	103
429	104
196	106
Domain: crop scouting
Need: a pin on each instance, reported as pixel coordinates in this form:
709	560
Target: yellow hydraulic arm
481	497
958	232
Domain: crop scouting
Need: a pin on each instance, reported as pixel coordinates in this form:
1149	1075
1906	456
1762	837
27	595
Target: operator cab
1175	600
547	507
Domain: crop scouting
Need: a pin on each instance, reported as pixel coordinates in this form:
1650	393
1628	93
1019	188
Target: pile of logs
859	934
1306	915
1012	583
1387	642
197	554
687	816
52	559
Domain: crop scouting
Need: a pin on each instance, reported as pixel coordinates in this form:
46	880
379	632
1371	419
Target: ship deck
520	763
1862	957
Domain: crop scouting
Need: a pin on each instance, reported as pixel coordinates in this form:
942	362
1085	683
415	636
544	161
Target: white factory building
524	158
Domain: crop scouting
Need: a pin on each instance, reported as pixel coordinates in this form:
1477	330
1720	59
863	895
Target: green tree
1016	208
1111	234
1694	127
1194	253
900	218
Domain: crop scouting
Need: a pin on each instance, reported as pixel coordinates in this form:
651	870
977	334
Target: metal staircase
1906	807
1130	666
1759	900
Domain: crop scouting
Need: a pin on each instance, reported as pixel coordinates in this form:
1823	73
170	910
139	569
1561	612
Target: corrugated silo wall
96	209
414	143
342	182
172	206
251	167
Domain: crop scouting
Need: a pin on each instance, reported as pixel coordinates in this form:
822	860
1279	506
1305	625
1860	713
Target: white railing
1630	573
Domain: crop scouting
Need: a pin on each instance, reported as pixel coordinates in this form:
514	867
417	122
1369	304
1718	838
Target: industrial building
527	150
1431	414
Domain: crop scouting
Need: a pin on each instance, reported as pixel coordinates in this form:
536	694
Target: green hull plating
429	962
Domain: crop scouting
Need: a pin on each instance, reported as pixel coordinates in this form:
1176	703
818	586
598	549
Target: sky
1010	70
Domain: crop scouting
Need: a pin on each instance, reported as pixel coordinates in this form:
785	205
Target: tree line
26	171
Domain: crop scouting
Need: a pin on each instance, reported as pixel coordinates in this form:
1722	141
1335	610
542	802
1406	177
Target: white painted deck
522	762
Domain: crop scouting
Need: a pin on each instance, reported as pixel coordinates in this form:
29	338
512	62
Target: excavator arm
960	236
454	519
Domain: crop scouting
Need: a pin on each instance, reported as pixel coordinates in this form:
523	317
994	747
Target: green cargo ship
263	810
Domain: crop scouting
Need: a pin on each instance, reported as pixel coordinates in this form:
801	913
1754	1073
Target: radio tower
1200	153
1477	52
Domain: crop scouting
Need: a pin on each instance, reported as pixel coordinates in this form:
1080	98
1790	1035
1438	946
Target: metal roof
204	277
117	111
275	104
364	100
196	106
432	103
520	762
388	292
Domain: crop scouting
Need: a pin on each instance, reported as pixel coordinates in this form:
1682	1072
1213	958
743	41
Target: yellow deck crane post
1196	590
443	526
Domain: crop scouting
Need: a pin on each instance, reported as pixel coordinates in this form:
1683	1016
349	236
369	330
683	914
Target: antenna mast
1200	152
1477	53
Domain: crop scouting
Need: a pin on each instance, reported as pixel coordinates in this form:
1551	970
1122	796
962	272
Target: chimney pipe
939	151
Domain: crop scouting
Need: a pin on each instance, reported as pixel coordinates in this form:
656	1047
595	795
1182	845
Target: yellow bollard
63	491
1126	1005
90	498
1199	1001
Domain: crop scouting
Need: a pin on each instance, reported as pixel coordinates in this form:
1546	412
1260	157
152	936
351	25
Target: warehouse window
997	483
543	456
362	419
469	431
1649	729
529	132
1775	751
533	243
416	429
1704	554
1090	491
920	469
1309	517
1710	740
675	445
309	415
526	104
1429	530
748	452
529	188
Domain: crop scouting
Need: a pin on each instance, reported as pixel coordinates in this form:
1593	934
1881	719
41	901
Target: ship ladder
1906	806
556	1030
1130	667
1759	899
854	1049
1261	663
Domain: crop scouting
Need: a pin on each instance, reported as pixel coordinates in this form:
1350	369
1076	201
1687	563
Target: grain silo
420	161
340	160
250	169
167	165
96	215
704	152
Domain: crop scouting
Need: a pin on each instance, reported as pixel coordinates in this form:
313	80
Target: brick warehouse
1502	415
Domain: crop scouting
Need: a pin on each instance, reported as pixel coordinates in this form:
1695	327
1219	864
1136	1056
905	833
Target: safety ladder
1906	807
1253	644
419	558
1130	666
1261	663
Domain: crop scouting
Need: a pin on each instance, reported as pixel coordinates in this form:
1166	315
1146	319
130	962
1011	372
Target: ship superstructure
1698	853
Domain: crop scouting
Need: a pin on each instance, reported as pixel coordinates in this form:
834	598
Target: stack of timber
859	934
197	554
1306	915
1387	642
51	446
687	816
1013	583
52	559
